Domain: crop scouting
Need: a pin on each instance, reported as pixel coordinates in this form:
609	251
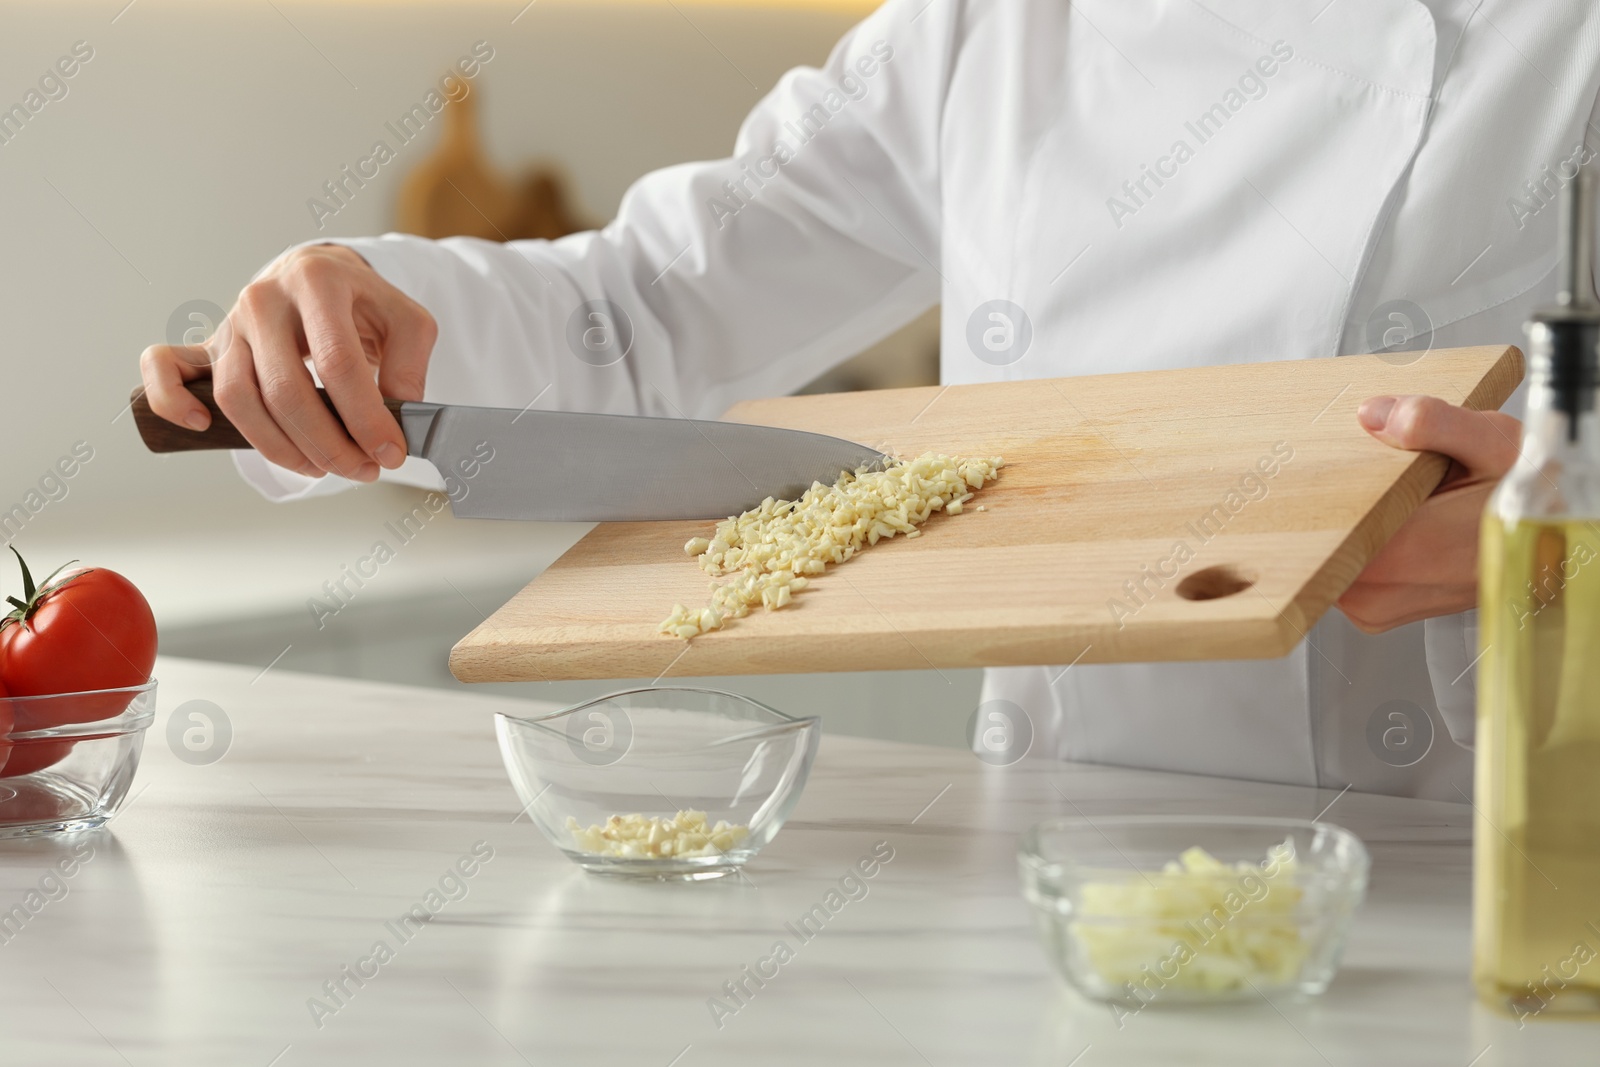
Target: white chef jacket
1149	184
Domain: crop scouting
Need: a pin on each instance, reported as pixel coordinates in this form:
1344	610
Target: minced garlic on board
772	550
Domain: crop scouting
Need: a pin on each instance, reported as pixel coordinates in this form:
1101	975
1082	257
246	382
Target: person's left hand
1430	567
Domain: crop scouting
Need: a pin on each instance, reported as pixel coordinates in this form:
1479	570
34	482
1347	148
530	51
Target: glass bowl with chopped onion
1138	911
666	783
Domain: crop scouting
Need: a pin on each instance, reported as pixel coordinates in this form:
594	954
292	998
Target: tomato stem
31	594
27	580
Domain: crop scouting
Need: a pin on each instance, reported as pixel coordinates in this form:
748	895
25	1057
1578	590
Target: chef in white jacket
1085	187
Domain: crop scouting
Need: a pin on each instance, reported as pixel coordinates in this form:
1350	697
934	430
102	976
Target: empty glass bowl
660	783
67	759
1132	913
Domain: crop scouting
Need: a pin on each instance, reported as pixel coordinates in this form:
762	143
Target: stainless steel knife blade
501	463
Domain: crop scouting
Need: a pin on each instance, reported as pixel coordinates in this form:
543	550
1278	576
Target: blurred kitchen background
144	191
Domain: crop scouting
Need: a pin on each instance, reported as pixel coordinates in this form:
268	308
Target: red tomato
5	730
85	631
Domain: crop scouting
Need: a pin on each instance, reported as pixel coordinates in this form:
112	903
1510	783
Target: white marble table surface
217	905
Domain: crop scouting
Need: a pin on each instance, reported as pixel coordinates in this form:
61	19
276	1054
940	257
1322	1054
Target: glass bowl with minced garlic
664	783
1143	910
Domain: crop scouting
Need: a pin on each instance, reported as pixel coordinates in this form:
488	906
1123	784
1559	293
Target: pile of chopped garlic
772	550
1217	926
684	836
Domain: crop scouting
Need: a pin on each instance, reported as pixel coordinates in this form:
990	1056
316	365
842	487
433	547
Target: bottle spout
1578	241
1564	352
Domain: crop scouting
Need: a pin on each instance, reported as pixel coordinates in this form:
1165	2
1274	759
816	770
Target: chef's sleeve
1451	642
717	281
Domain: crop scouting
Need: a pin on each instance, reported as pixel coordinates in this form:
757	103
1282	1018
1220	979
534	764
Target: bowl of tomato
76	696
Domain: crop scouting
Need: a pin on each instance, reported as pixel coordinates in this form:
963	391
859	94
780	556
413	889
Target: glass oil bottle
1536	840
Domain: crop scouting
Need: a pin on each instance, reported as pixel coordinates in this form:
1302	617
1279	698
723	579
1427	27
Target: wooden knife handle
163	436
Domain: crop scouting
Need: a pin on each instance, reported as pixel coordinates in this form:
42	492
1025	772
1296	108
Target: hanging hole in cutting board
1214	583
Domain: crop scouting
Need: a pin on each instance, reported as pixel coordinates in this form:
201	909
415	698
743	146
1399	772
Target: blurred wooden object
457	192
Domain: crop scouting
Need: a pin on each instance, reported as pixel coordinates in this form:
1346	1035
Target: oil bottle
1536	838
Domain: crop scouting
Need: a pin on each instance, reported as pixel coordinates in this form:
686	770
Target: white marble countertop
220	901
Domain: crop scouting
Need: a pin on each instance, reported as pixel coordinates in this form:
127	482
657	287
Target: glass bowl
67	759
1129	915
664	756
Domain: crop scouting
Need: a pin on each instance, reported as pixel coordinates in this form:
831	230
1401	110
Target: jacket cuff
1451	642
281	485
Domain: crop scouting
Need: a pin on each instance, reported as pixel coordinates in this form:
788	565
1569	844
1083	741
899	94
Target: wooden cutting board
1211	513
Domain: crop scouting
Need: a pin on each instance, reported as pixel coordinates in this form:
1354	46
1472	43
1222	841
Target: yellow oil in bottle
1536	891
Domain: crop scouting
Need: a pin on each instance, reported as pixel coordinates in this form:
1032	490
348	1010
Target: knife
567	466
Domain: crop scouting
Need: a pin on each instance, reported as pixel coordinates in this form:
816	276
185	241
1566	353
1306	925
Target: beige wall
182	158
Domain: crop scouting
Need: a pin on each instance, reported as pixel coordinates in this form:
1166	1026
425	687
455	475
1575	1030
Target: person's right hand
321	307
